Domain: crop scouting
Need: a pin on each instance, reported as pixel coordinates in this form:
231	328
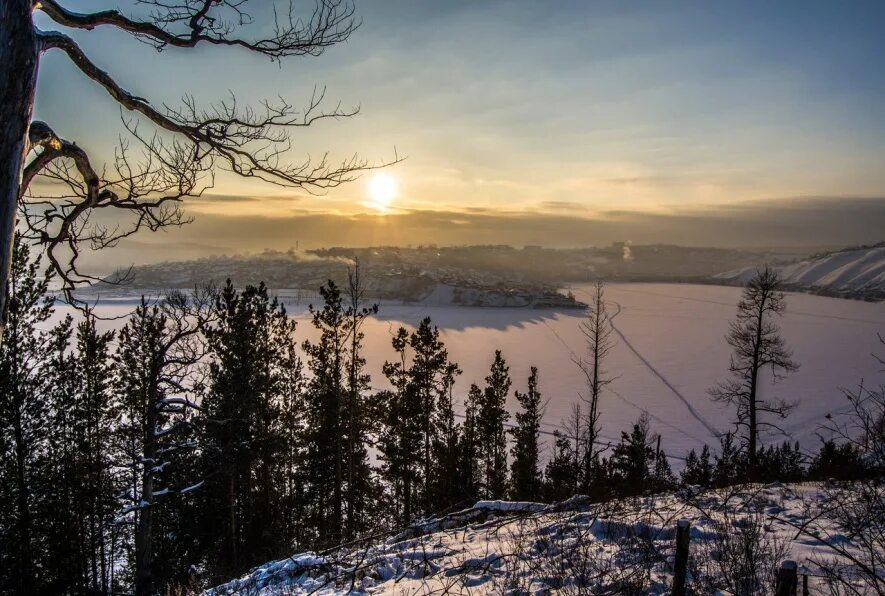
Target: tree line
203	437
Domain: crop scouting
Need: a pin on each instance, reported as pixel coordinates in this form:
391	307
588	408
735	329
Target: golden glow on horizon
382	191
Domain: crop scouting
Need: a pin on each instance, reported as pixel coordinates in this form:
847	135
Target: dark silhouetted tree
698	469
491	419
242	443
561	473
597	331
758	345
24	415
525	474
157	351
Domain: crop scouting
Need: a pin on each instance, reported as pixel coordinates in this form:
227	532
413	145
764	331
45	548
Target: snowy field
577	547
670	349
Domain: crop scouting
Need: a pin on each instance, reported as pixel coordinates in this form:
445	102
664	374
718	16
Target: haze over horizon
571	124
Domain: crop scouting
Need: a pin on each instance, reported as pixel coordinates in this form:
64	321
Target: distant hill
853	272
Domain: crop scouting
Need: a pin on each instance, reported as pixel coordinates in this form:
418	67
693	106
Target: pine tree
758	345
491	419
24	420
64	534
426	375
662	478
469	453
446	489
633	460
730	465
525	476
400	441
561	472
93	411
325	428
698	470
248	341
157	350
361	490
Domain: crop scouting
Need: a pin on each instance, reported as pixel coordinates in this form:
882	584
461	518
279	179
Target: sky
556	123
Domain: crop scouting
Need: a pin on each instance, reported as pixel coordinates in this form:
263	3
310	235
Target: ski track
695	414
624	399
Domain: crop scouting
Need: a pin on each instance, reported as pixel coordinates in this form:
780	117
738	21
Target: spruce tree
248	340
525	475
491	420
361	491
93	412
632	461
561	472
426	373
24	420
698	470
469	453
325	428
156	399
446	489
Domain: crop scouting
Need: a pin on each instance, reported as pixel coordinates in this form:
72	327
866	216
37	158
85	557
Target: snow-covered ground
855	271
670	350
577	547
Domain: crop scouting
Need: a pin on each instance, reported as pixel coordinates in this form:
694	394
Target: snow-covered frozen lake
669	350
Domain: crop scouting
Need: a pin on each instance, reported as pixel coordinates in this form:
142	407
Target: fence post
787	580
804	584
680	570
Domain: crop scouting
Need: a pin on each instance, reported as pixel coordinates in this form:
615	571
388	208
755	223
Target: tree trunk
754	377
144	530
19	57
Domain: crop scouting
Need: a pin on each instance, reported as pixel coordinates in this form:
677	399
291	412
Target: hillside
855	273
581	547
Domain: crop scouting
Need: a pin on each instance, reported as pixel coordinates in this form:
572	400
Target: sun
382	191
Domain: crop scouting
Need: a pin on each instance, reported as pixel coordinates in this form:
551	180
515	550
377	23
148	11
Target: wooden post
680	567
804	584
787	580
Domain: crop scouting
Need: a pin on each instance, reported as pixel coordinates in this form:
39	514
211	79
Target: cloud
562	206
810	222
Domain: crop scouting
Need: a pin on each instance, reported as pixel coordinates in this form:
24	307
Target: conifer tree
525	475
156	352
446	489
360	493
93	425
64	534
469	452
561	472
325	429
400	436
426	373
24	421
633	459
730	463
491	420
698	470
242	445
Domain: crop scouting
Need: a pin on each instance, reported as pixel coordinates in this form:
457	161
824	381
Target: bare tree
758	344
185	144
597	332
862	423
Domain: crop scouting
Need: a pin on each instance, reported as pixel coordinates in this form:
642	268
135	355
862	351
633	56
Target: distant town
505	276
